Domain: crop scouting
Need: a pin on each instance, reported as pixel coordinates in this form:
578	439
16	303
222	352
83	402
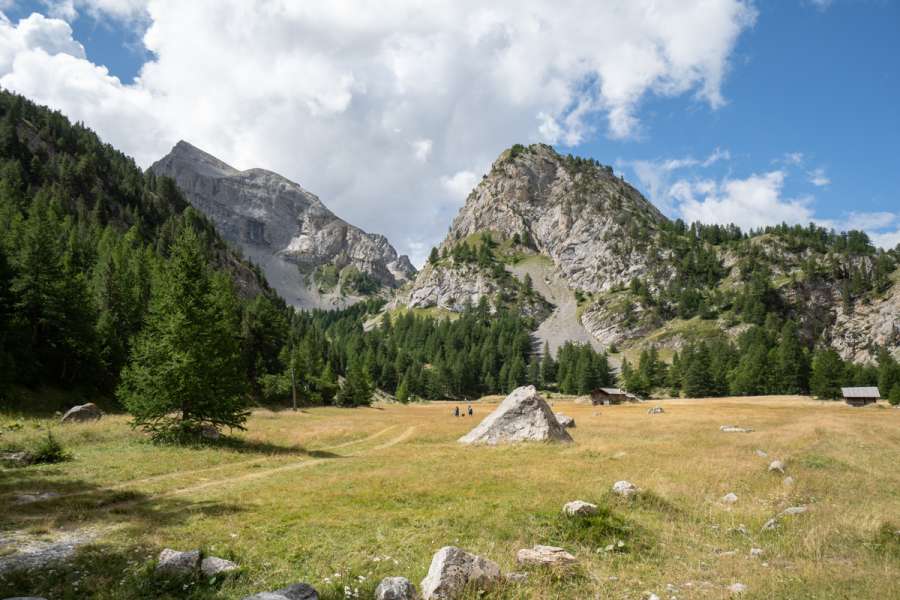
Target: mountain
567	241
309	255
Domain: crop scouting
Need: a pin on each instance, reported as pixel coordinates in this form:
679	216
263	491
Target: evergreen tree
791	367
548	366
356	391
185	366
433	258
402	394
827	374
894	395
888	371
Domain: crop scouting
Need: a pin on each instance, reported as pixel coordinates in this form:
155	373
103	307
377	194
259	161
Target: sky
747	111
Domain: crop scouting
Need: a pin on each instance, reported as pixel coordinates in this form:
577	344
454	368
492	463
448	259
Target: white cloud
821	5
792	158
886	240
818	177
656	176
342	96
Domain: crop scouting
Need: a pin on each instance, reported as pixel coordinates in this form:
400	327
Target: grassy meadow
342	497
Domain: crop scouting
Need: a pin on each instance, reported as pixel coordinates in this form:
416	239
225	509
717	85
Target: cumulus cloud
386	111
656	176
818	177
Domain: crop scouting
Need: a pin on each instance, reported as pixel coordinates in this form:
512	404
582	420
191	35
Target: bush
894	396
49	451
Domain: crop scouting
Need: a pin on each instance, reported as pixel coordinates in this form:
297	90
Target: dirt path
563	324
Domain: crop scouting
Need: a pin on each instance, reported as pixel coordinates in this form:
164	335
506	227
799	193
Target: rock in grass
172	563
579	508
82	412
626	489
516	577
761	453
730	498
777	465
656	410
210	432
737	588
788	481
16	459
774	521
298	591
550	556
523	416
213	565
735	429
453	569
565	420
756	552
395	588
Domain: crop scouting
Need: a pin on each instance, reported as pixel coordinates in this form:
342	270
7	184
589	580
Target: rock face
579	508
523	416
551	556
282	227
395	588
82	412
452	570
298	591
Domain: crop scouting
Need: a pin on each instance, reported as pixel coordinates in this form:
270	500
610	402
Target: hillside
313	258
636	276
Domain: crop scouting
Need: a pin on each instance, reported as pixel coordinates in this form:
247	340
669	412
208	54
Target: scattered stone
794	510
788	481
756	552
730	498
656	410
565	420
671	588
776	465
737	588
742	529
395	588
210	432
213	565
726	553
761	453
82	412
179	564
773	522
650	596
544	555
298	591
735	429
625	489
16	459
522	417
33	554
452	569
579	508
35	497
517	577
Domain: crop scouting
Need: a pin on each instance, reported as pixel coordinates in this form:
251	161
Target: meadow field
340	498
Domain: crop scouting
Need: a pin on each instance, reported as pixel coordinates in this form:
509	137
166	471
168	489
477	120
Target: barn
609	396
860	396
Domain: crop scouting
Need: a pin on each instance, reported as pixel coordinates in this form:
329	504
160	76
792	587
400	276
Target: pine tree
185	366
894	395
548	366
357	390
534	372
827	374
433	258
792	369
402	394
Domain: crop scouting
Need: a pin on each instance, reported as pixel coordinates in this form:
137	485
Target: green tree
357	390
827	374
792	367
434	257
185	367
402	394
894	395
548	366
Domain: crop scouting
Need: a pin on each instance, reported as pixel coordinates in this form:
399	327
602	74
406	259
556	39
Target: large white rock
82	412
551	556
625	489
452	569
298	591
523	416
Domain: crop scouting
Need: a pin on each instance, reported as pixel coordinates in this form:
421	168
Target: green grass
372	492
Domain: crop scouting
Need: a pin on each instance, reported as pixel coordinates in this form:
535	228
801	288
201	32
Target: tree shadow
245	446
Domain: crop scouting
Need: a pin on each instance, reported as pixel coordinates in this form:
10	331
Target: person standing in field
471	412
456	411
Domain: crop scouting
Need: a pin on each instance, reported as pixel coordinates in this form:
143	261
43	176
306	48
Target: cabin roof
860	392
612	391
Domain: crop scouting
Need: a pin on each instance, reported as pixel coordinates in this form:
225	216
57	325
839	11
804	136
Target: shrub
894	396
49	451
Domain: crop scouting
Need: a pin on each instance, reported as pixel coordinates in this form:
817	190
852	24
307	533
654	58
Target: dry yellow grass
327	491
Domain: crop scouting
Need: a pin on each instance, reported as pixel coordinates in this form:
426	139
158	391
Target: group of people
457	413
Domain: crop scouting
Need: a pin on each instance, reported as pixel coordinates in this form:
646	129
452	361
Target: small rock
794	510
776	465
730	498
773	522
756	552
788	481
213	565
742	529
625	489
298	591
565	420
770	524
175	563
517	577
35	497
544	555
579	508
761	453
82	412
452	570
735	429
671	588
210	432
16	459
650	596
395	588
656	410
737	588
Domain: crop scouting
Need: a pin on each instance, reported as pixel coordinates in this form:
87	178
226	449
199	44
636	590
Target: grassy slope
329	490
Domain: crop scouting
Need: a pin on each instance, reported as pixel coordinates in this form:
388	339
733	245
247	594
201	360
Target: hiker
456	412
471	412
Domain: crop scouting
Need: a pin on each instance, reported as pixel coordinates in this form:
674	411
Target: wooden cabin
607	396
860	396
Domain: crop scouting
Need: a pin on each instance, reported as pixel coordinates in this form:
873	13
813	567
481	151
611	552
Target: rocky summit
309	255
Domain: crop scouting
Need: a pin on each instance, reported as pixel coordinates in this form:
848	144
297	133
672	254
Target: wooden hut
860	396
609	396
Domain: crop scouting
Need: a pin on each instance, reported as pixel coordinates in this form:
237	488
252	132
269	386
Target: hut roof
612	391
860	392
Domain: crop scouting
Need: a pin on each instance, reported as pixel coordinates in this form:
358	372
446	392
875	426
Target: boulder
776	465
523	416
656	410
579	508
82	412
213	565
730	498
298	591
565	420
735	429
453	569
625	489
550	556
172	563
395	588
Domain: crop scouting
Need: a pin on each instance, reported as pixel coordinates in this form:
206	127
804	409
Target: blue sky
788	112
